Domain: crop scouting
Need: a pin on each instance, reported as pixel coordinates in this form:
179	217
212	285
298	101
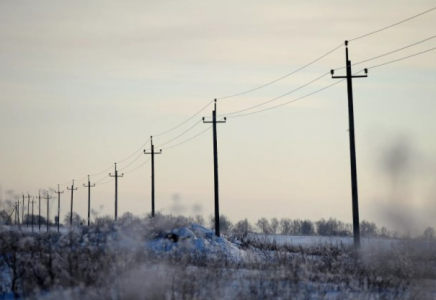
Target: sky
85	84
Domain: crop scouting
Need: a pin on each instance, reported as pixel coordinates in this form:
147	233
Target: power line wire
283	77
402	58
140	149
288	102
276	80
324	88
331	51
277	98
101	183
392	25
187	120
101	179
191	138
390	52
138	166
140	155
190	128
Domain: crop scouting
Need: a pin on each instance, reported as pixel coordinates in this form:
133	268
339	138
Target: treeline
285	226
322	227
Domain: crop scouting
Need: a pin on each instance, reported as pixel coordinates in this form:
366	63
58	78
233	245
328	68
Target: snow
308	241
196	239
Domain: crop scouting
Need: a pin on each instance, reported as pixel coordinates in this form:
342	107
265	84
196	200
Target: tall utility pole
89	186
48	208
33	201
116	189
28	207
355	201
215	165
72	189
39	210
59	205
152	173
22	211
18	212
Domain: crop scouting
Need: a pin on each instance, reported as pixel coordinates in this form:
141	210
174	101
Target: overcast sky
85	83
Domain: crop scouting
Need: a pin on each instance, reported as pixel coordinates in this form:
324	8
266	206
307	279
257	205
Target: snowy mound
196	239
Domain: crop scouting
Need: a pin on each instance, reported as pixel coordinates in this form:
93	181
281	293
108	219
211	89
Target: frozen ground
309	241
189	262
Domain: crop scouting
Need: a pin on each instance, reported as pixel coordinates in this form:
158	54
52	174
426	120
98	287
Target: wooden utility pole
89	186
72	189
355	202
22	211
48	197
33	201
18	212
39	210
152	153
215	165
59	205
28	209
116	189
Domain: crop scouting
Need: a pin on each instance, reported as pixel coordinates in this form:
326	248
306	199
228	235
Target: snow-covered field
309	241
143	260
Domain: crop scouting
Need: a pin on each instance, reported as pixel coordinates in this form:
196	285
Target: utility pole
48	208
28	206
15	213
89	186
116	189
22	211
18	212
59	205
33	201
72	189
152	173
39	210
355	202
215	165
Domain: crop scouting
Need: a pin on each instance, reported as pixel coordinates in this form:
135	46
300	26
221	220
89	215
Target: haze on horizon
85	84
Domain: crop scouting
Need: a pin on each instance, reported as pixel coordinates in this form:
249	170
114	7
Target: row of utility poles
355	205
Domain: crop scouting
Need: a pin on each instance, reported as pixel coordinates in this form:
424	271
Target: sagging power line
276	80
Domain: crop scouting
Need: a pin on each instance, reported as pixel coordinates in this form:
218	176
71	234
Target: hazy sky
85	83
